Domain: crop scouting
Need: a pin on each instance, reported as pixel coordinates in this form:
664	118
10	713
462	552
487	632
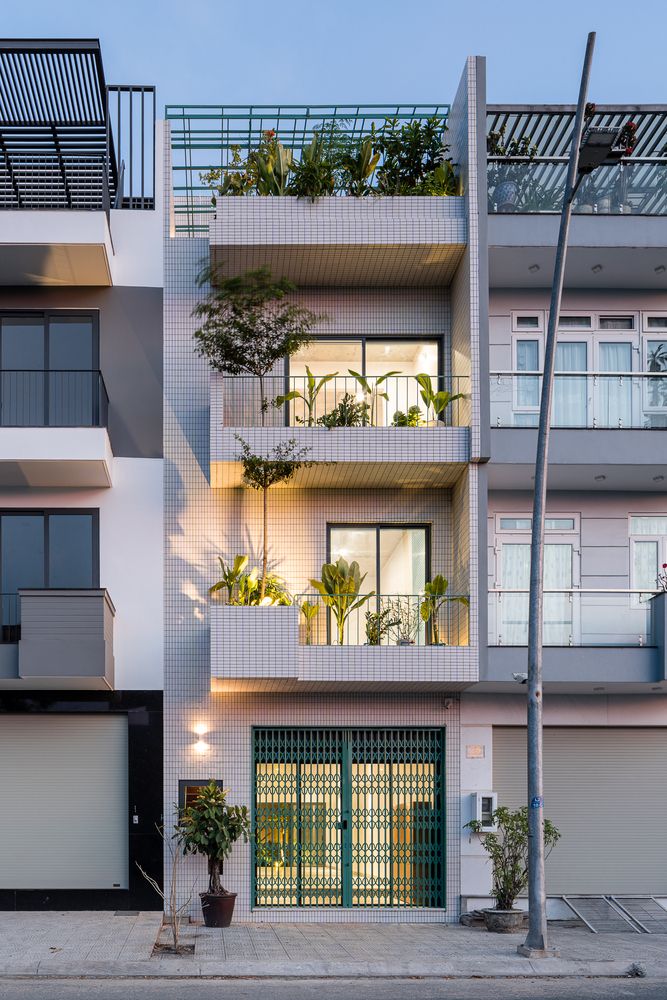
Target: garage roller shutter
605	790
63	789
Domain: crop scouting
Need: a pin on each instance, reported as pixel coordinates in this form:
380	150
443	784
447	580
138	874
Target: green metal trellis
349	817
202	137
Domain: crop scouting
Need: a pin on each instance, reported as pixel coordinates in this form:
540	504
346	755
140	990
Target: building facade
362	756
81	495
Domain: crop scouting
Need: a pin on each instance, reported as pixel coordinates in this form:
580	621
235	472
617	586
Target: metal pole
536	941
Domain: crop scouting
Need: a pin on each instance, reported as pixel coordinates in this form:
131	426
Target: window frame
47	315
661	541
379	526
391	338
45	513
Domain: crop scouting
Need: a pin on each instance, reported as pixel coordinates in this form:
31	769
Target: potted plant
339	589
378	625
372	389
309	610
312	389
435	597
349	412
507	179
211	827
436	401
413	418
508	851
406	612
247	327
230	577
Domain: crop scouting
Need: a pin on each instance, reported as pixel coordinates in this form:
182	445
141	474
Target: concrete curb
159	968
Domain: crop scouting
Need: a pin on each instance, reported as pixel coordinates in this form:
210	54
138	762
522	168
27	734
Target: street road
332	989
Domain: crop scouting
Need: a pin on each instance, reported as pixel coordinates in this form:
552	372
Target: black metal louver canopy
56	149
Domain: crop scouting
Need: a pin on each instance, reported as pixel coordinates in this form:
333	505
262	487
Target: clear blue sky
349	51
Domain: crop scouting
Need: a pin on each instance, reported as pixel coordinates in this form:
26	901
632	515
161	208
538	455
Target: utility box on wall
484	804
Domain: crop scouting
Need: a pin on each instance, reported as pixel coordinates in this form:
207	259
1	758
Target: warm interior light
200	747
200	729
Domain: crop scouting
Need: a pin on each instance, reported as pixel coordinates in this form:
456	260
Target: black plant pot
217	909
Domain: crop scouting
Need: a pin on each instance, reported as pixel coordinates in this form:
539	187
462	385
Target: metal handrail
576	590
51	397
581	374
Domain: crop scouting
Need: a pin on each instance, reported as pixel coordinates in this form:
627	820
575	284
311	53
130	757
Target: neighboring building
362	763
606	529
81	468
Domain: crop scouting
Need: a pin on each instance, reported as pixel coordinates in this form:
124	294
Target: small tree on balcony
247	326
261	472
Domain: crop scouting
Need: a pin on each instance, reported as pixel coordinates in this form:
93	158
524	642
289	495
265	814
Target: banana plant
435	598
273	164
309	396
309	610
339	589
371	390
437	400
230	576
358	169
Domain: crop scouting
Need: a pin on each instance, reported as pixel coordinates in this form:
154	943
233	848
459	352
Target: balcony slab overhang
60	248
55	457
400	241
579	669
349	457
258	649
627	459
628	249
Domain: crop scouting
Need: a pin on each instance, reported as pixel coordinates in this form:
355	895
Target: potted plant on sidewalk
507	848
211	827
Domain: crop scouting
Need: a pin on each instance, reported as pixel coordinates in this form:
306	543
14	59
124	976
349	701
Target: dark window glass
22	378
22	546
71	382
71	550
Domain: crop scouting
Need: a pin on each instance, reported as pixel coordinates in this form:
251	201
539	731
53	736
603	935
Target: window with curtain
614	407
570	402
648	540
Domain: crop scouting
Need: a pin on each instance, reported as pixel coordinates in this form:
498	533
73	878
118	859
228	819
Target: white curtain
570	403
557	607
515	570
645	565
614	391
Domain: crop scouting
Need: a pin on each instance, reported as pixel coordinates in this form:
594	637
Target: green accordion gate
349	817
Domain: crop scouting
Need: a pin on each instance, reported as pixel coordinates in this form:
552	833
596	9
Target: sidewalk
101	945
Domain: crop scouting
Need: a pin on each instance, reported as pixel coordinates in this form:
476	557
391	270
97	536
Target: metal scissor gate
620	914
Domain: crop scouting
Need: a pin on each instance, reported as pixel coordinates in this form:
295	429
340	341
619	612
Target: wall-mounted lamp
201	747
201	728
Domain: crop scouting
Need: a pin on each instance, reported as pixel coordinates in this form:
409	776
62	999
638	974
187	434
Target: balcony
57	639
354	439
53	429
342	242
619	210
274	648
592	638
74	149
620	407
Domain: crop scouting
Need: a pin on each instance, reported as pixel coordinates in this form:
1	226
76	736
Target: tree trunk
214	871
262	401
265	528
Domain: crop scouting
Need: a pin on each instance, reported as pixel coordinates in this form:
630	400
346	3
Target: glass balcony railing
604	400
574	618
634	187
384	620
343	401
53	399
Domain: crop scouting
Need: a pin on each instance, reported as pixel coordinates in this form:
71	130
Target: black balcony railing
53	399
67	140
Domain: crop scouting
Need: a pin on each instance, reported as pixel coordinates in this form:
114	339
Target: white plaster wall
131	546
137	257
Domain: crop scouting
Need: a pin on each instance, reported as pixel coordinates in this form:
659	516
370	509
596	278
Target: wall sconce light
200	747
201	728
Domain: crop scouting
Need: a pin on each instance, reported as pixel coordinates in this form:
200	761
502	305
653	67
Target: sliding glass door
395	560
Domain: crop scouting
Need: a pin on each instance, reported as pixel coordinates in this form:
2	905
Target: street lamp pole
536	941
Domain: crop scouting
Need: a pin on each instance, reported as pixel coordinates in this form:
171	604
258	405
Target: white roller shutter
63	795
605	791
